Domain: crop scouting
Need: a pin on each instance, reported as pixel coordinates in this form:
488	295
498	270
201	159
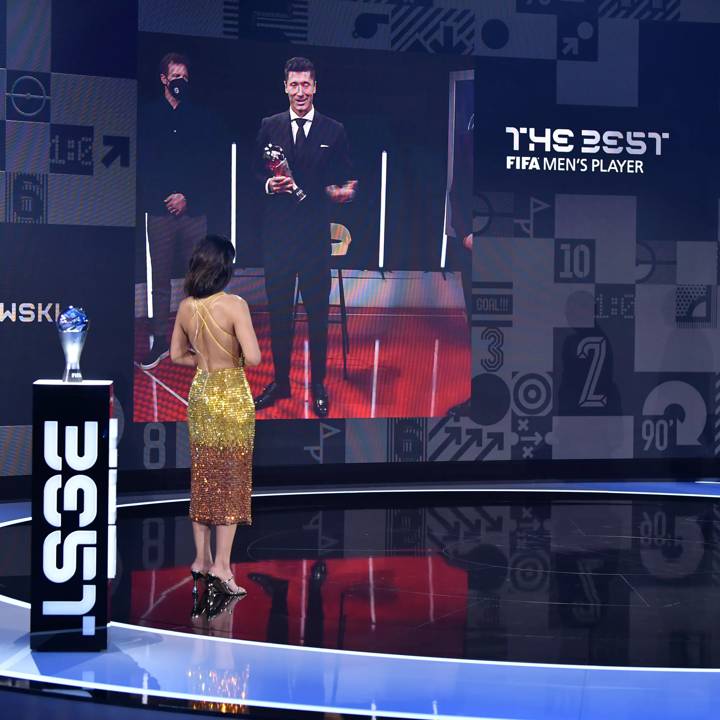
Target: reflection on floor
393	353
602	581
373	604
522	603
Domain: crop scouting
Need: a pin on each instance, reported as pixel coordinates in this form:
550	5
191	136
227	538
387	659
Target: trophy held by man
277	164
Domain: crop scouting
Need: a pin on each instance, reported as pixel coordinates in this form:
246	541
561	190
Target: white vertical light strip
112	496
303	602
113	443
434	377
153	581
233	193
375	374
112	552
450	166
443	249
112	500
148	271
307	380
371	580
383	198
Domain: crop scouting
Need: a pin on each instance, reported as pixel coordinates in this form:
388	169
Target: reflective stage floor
571	601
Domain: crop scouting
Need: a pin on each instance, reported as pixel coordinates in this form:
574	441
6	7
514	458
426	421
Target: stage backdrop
595	215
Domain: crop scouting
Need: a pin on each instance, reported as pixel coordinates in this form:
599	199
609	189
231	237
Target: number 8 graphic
154	451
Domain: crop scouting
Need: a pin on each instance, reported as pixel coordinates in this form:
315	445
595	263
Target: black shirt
178	153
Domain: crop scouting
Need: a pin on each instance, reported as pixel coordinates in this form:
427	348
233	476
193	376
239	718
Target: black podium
74	476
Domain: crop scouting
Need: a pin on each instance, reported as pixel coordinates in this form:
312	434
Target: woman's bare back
214	333
211	330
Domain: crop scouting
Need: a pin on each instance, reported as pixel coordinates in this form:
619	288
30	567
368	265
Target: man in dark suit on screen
296	234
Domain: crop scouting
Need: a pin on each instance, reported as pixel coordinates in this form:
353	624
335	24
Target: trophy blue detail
72	325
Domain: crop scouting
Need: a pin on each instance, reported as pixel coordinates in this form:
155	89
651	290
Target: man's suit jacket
324	160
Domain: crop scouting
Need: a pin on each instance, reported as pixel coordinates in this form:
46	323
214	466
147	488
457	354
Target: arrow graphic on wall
571	46
119	147
495	440
454	436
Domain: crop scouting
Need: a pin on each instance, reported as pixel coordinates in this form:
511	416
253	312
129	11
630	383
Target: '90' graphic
674	416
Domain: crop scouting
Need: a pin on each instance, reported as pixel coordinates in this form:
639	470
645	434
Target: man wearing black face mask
174	157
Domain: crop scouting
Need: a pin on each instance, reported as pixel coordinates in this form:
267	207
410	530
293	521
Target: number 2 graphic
597	347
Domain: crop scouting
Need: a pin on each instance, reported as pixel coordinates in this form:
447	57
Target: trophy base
72	375
299	194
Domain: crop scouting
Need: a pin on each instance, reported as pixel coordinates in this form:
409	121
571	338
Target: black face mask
179	88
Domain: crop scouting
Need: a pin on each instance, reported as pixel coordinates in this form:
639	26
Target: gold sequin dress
221	420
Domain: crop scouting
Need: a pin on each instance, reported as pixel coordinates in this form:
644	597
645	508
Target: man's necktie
300	135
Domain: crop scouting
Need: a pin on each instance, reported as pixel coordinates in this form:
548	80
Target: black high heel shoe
197	577
222	604
200	605
215	584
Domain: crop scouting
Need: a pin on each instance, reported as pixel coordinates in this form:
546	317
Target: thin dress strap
202	315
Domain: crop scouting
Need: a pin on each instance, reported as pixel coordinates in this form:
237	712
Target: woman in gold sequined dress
214	333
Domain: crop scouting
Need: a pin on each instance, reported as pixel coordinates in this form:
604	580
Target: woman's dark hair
210	267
